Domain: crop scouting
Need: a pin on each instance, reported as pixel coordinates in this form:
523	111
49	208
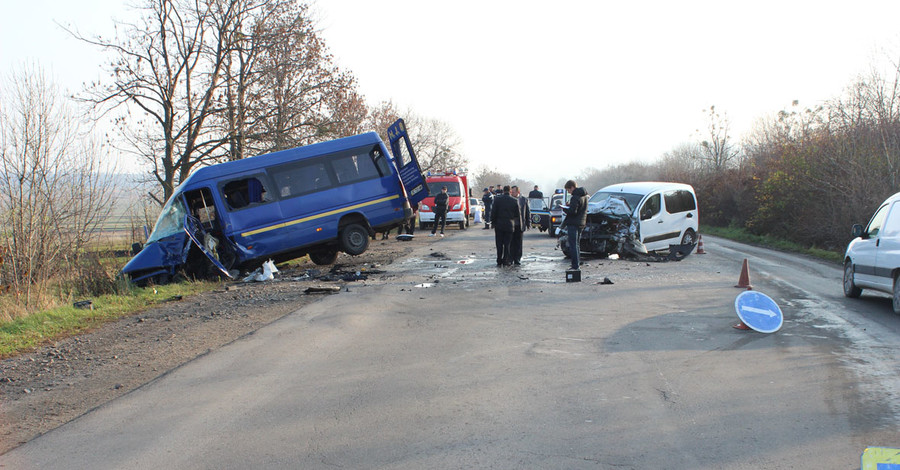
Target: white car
639	217
872	259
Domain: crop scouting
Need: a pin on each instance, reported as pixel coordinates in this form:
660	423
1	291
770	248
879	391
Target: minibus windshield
170	221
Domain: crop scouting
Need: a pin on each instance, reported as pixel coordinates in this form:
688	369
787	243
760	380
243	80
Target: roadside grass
27	332
742	235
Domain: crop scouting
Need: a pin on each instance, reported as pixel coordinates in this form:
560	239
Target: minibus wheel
323	257
354	239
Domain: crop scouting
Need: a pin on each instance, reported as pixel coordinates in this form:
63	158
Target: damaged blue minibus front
316	200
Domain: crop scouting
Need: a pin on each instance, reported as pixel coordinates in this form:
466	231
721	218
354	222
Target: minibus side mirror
856	230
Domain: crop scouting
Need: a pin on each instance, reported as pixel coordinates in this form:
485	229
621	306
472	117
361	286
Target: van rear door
410	173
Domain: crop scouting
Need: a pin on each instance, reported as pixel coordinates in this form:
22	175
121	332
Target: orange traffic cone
744	280
700	250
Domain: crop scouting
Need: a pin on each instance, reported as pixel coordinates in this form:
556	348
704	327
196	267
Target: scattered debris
424	285
439	255
322	290
265	273
84	305
606	281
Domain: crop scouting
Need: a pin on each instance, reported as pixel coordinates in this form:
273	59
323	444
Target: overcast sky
543	90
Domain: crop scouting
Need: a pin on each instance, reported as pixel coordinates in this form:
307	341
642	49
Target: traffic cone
741	326
700	250
744	280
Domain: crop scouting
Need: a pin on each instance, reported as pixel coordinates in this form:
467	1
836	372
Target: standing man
440	210
523	221
488	200
576	218
503	216
536	193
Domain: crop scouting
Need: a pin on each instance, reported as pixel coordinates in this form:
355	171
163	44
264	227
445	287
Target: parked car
872	259
476	205
540	212
557	200
638	218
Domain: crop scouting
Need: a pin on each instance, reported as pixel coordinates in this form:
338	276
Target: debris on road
265	273
322	290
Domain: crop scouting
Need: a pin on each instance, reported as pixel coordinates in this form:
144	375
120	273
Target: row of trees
54	193
193	83
805	175
190	83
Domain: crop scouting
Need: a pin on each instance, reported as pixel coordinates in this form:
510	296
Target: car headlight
456	207
424	208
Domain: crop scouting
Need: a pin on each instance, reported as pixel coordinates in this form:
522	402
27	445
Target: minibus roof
219	170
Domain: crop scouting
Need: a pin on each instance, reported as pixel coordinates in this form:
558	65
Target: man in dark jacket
576	218
503	216
440	210
488	200
522	222
536	193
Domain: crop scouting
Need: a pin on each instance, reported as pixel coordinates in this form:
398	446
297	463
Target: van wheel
896	296
850	289
354	239
323	257
689	237
462	226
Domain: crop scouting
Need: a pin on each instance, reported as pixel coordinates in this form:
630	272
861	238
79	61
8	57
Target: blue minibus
315	200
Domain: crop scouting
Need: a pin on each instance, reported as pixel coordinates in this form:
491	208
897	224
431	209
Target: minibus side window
352	168
297	179
380	161
244	192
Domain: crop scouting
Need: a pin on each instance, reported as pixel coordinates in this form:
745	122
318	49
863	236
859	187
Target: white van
872	260
639	216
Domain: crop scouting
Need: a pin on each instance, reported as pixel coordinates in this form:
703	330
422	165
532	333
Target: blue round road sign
758	311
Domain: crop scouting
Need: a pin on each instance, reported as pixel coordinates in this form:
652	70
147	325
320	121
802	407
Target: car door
407	164
866	249
653	227
887	248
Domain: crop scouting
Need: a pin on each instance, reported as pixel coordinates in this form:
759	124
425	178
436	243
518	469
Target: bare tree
437	144
717	149
166	69
54	193
304	97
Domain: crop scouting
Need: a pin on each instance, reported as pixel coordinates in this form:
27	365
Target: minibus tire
354	239
323	257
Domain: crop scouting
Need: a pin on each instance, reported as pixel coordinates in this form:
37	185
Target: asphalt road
449	362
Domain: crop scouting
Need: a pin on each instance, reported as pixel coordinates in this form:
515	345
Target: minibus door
194	229
410	174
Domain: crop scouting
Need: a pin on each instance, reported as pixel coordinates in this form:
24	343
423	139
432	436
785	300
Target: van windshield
631	199
170	221
434	188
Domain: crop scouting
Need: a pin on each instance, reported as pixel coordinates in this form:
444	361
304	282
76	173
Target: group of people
507	210
510	215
